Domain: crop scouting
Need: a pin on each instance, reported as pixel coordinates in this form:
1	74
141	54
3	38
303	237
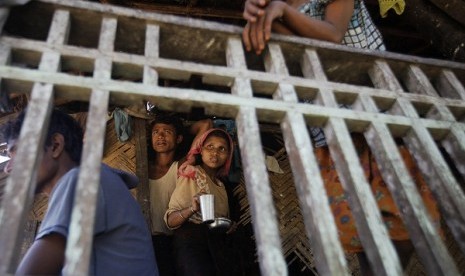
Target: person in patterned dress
344	22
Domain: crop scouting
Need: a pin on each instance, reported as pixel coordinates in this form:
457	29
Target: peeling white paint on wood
423	101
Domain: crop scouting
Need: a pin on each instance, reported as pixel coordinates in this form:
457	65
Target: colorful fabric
187	168
390	214
361	33
385	5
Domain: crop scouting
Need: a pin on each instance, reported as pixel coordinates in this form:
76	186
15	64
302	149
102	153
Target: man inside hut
166	138
121	238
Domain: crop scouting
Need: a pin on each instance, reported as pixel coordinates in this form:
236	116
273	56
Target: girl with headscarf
195	247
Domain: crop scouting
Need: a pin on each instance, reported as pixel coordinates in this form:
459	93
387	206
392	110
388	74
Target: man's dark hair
60	122
172	120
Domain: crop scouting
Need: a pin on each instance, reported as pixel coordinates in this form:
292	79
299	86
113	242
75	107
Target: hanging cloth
122	125
385	5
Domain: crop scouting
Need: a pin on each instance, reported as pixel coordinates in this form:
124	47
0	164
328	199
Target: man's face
47	165
165	138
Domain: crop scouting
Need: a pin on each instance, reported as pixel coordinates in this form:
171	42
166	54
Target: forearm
199	128
177	218
305	26
333	28
280	28
44	257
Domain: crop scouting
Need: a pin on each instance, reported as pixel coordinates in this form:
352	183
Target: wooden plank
373	234
142	168
382	76
447	191
449	86
319	222
424	236
79	246
152	40
262	209
35	126
235	58
320	226
126	92
417	82
59	30
190	11
21	184
175	69
438	175
454	144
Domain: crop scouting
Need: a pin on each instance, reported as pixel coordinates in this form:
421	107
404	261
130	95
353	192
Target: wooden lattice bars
108	55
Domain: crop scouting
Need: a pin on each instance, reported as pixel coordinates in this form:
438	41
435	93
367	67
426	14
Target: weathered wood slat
59	32
431	165
454	144
33	135
312	196
373	234
448	193
423	100
81	233
422	232
143	192
151	51
313	199
262	82
372	231
259	194
21	184
258	186
129	92
417	82
449	86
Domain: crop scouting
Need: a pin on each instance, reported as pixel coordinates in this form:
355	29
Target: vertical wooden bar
79	246
21	184
29	152
424	236
319	222
151	50
150	78
143	194
454	144
430	248
259	194
449	86
432	164
373	234
263	213
417	82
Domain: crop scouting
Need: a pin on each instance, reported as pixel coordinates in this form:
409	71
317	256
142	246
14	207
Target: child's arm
199	128
333	28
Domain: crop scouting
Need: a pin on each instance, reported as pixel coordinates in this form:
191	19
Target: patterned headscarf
187	168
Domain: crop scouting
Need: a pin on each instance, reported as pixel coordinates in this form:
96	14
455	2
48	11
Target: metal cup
207	207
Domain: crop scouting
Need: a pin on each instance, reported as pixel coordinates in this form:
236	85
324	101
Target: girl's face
215	152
